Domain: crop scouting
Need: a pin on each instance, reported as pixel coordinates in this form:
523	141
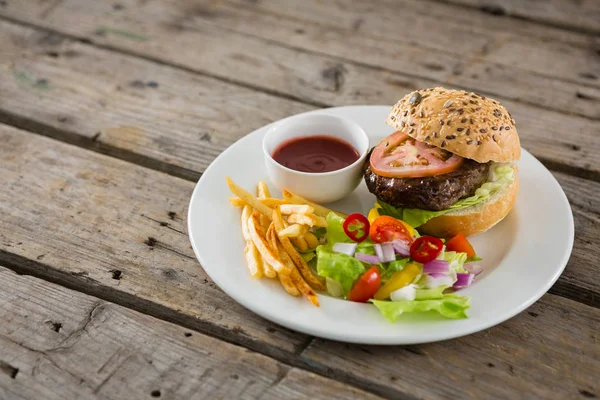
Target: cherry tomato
356	226
460	244
366	286
386	228
425	249
400	156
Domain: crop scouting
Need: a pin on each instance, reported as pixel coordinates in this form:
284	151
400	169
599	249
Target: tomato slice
386	228
366	286
426	248
400	156
460	244
356	227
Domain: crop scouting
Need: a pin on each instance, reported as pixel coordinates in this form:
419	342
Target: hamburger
449	167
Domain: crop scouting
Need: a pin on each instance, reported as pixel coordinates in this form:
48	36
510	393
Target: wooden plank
549	351
181	121
581	15
116	231
506	63
61	344
123	105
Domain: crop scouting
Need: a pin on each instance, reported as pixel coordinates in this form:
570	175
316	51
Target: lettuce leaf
502	176
449	306
335	229
392	267
339	267
456	261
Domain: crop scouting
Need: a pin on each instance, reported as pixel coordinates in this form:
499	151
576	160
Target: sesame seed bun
475	219
467	124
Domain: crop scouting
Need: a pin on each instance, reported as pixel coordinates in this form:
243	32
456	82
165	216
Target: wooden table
111	110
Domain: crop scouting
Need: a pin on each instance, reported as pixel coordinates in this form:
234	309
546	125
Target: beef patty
428	193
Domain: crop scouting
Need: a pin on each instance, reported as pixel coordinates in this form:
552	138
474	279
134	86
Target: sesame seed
461	110
478	142
443	143
412	111
483	130
485	119
494	128
478	108
421	114
465	103
507	128
469	141
435	134
411	124
468	132
426	138
462	121
460	129
450	137
405	113
448	103
472	102
448	122
441	122
452	109
494	137
501	127
471	121
411	130
402	123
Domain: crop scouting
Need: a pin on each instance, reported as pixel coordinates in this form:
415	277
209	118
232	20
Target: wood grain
60	344
116	231
502	62
177	121
552	350
579	15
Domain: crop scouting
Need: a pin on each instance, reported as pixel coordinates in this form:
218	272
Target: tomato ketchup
319	153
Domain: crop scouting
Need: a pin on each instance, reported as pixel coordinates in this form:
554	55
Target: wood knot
334	76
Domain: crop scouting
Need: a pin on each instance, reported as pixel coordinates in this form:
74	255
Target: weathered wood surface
116	231
60	344
550	351
179	121
77	218
266	43
582	15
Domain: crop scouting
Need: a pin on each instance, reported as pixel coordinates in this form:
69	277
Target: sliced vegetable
436	266
356	227
367	258
340	267
345	248
408	292
373	213
334	288
389	254
425	249
401	247
366	287
463	280
474	268
386	228
398	280
400	156
436	280
460	244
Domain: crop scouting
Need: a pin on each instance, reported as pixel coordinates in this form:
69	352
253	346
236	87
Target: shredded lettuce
335	229
392	267
449	306
456	261
502	175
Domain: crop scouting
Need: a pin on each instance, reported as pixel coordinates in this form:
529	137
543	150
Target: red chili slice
356	227
425	249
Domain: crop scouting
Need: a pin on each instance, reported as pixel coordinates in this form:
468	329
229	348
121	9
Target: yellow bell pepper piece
373	214
398	280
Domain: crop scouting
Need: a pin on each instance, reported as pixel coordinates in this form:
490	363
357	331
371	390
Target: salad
384	261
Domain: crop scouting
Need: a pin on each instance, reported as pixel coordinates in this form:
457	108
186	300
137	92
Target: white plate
522	256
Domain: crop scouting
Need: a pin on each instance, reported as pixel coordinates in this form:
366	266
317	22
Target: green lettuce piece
456	261
474	258
339	267
392	267
308	257
431	294
503	175
449	306
335	229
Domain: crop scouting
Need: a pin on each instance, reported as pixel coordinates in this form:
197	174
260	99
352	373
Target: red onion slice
401	247
463	280
388	253
345	248
436	266
367	258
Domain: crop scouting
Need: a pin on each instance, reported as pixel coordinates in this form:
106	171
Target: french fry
269	202
237	202
288	285
295	230
268	269
261	244
310	220
296	278
249	199
321	211
296	209
253	259
311	240
314	281
263	190
246	213
300	243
